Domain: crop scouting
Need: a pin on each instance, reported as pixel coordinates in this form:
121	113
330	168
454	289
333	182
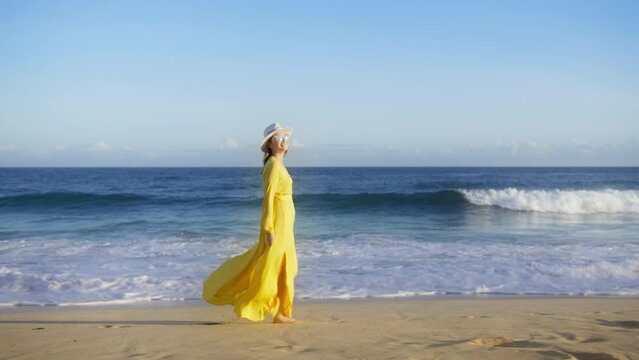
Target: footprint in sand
503	342
569	337
473	317
492	341
572	337
627	324
113	326
294	348
591	356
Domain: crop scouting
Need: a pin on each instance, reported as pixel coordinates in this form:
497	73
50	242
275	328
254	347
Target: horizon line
342	166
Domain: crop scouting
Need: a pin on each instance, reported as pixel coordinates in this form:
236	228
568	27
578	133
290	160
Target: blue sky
363	83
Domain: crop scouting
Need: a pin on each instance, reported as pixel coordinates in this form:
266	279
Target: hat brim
268	136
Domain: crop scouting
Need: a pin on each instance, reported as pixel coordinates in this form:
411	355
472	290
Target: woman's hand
269	238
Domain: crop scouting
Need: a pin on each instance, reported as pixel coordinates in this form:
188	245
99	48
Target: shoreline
162	303
505	327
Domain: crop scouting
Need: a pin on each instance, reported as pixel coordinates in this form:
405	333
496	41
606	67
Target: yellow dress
261	280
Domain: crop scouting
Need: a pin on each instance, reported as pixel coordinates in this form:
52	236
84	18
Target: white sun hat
272	129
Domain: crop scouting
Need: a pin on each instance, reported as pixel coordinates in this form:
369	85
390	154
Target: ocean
95	236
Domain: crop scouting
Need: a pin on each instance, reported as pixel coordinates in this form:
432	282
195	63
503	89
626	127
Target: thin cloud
8	147
100	146
230	144
297	144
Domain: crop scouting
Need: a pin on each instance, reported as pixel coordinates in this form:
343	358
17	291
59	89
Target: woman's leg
283	290
284	293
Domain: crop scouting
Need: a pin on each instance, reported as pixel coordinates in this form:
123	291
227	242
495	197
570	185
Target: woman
261	281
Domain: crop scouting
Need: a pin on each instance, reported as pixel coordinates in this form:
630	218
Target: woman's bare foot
279	318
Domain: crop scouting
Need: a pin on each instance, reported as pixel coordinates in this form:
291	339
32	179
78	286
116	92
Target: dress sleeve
270	179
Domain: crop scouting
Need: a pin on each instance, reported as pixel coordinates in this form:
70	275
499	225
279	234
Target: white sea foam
560	201
353	266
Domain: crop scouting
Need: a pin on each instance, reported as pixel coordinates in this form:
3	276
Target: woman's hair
268	154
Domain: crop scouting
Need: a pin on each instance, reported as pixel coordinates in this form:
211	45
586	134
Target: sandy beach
411	328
